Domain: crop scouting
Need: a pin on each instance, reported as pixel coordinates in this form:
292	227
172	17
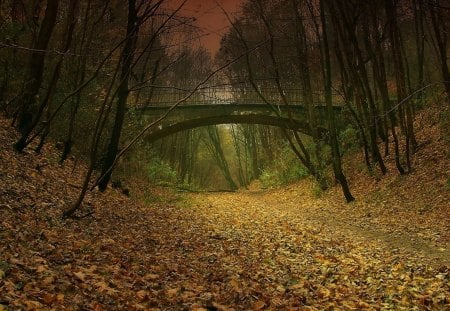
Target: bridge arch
289	124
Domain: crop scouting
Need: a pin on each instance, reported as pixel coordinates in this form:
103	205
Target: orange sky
210	19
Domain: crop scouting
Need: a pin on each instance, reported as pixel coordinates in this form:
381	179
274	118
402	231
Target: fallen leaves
306	261
277	250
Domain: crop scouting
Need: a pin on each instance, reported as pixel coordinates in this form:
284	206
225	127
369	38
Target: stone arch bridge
211	110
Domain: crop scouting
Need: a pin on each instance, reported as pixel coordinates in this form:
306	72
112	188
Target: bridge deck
234	106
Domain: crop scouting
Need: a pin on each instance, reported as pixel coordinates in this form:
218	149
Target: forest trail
295	207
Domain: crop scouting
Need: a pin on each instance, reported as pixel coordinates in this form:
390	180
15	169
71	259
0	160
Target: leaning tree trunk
46	103
122	94
85	43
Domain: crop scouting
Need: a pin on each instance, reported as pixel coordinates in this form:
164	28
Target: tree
216	149
326	63
25	114
122	92
440	23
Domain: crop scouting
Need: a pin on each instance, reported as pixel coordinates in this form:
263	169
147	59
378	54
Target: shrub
161	172
349	140
282	173
317	191
269	179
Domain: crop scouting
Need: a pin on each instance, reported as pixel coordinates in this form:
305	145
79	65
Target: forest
304	165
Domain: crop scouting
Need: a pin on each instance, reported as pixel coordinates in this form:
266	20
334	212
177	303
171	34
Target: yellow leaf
172	292
80	275
281	289
48	280
48	299
141	295
108	241
363	305
235	285
103	287
220	307
60	297
151	276
259	305
323	293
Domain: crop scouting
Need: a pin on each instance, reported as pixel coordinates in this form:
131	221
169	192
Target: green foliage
326	156
349	140
150	199
4	269
269	179
187	187
160	172
282	173
317	190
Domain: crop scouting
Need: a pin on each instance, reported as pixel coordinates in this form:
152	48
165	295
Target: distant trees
365	51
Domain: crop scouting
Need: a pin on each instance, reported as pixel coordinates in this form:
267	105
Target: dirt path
282	245
355	227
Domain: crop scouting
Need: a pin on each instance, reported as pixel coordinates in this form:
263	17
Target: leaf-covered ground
260	250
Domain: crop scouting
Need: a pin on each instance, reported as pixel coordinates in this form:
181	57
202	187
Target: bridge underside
288	124
189	116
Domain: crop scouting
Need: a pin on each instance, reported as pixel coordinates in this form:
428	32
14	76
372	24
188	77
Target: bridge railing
211	96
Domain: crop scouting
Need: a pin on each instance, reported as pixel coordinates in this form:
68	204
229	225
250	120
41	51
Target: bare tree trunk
381	83
345	29
399	67
303	58
249	133
26	115
349	97
242	162
68	36
418	9
122	93
86	41
440	33
326	68
217	151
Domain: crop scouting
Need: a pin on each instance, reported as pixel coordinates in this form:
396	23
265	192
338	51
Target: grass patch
317	191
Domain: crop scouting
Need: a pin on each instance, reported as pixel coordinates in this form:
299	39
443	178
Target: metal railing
226	95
